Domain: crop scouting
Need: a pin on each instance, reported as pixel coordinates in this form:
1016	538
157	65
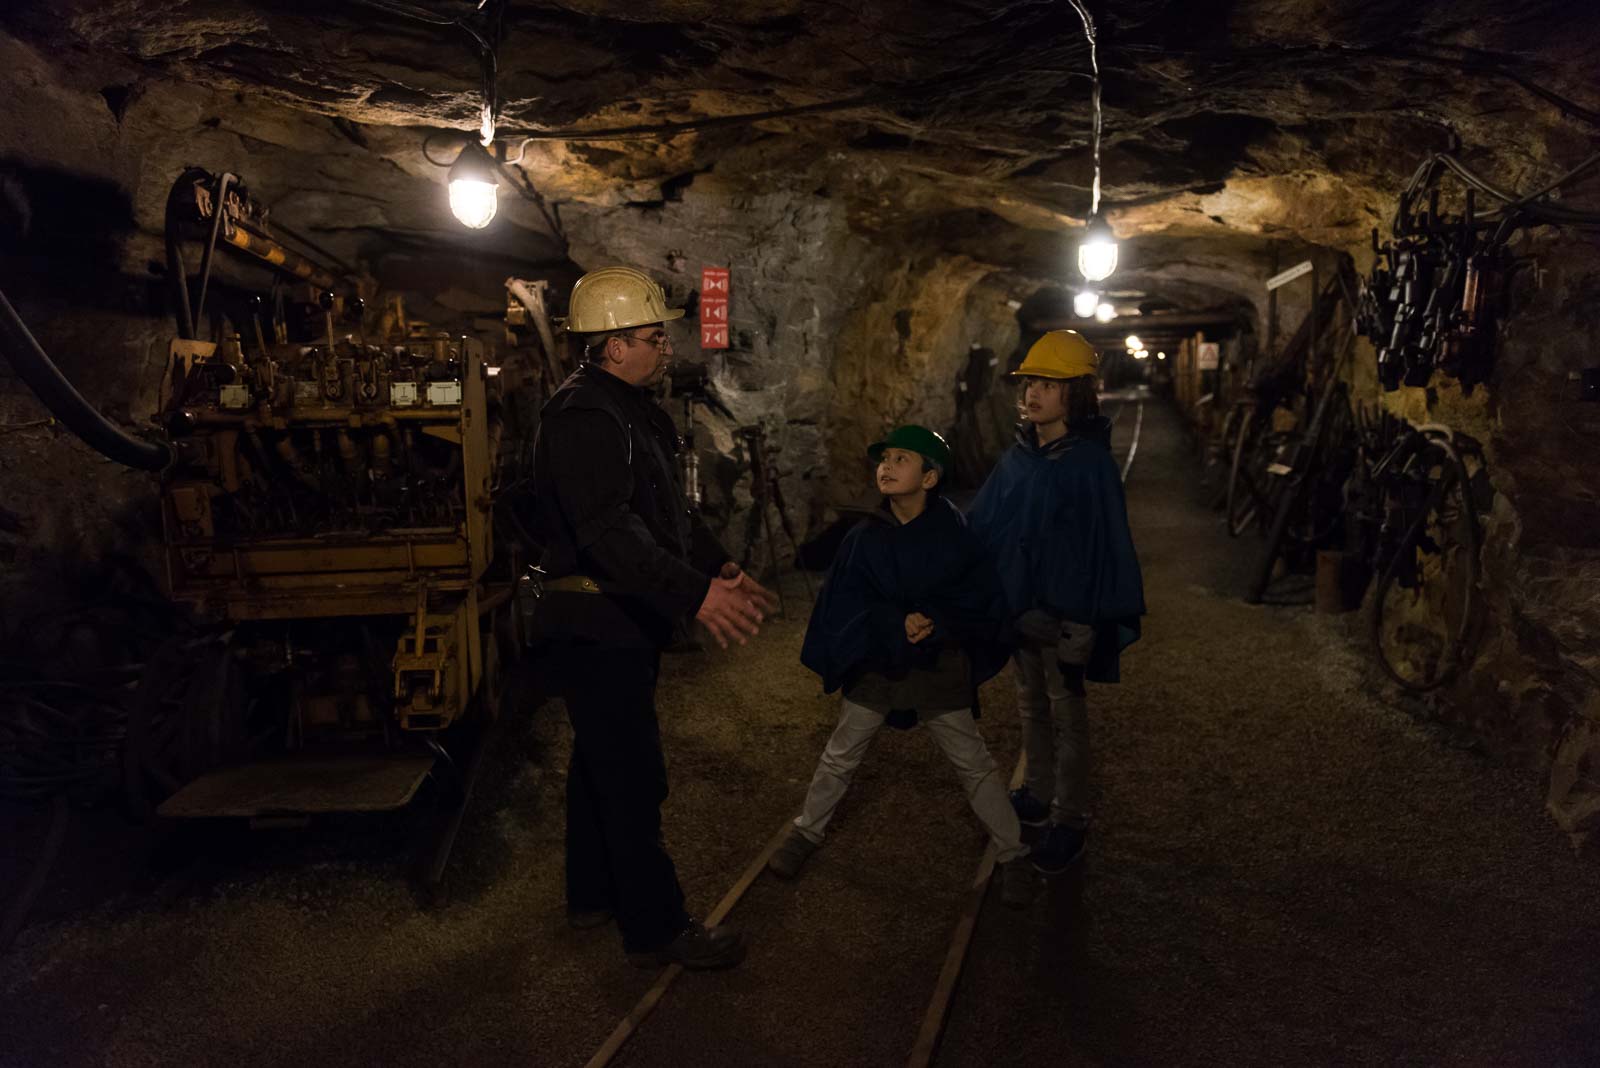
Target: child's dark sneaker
1062	847
787	860
1017	883
1031	812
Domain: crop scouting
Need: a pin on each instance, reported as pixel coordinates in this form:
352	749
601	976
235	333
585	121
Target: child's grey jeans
957	734
1055	735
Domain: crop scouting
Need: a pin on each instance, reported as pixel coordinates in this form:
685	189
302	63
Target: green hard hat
913	438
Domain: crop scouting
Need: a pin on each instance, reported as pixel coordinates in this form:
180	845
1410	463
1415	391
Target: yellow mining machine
330	503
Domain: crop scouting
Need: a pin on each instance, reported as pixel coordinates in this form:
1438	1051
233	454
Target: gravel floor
1283	870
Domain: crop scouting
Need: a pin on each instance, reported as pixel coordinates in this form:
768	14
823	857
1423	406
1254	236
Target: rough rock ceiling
1226	121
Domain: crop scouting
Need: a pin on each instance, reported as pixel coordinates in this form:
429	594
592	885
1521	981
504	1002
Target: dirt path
1283	870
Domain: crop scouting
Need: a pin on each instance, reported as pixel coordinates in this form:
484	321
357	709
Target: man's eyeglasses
660	339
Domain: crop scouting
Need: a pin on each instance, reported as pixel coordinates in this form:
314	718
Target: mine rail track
934	1017
925	1046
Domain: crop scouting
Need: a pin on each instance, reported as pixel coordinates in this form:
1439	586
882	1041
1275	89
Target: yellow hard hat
615	298
1060	354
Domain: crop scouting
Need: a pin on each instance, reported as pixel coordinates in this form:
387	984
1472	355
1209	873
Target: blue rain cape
1055	520
883	572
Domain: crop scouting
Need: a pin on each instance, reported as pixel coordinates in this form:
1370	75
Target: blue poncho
1055	520
883	572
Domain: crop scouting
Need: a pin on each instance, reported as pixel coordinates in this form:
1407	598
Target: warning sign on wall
1210	356
714	296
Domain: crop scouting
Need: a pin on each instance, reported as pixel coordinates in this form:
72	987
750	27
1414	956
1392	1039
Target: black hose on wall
33	366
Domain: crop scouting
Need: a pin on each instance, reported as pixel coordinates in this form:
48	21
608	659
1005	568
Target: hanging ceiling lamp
1105	312
475	175
1097	250
1084	304
474	189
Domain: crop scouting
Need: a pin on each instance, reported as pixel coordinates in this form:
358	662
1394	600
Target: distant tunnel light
1142	354
1161	355
1105	312
1085	304
1132	341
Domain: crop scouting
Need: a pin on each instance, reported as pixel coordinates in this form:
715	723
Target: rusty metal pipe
219	200
276	255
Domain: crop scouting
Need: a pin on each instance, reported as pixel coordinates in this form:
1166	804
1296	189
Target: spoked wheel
1219	457
1253	486
1424	608
1242	493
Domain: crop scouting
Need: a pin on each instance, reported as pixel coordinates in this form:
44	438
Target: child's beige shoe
786	862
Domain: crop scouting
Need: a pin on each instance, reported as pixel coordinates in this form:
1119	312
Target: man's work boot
1017	882
787	860
697	948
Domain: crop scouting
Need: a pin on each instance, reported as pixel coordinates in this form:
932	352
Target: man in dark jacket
628	564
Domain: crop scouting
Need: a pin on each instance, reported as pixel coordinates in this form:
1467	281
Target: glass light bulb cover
1097	251
1097	259
1084	304
1105	313
472	202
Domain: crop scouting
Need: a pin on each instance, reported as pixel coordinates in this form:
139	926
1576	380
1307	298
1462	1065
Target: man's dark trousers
616	784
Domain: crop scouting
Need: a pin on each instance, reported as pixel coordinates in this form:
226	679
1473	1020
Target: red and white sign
714	293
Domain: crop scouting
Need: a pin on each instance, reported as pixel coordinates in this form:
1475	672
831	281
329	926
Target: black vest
619	616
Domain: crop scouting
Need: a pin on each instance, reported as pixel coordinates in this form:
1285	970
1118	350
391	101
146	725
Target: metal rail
933	1020
1133	446
652	997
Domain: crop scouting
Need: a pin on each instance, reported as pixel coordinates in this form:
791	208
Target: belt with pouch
571	584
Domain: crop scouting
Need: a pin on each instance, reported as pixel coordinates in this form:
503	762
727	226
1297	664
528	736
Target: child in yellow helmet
1052	514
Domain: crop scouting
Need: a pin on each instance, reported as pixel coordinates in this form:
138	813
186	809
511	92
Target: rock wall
1530	696
836	334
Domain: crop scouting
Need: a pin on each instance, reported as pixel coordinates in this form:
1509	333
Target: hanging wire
1516	208
486	41
1094	65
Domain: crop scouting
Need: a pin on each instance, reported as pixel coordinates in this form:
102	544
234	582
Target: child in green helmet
908	624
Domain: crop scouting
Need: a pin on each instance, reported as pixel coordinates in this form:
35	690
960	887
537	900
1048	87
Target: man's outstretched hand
734	606
763	597
918	628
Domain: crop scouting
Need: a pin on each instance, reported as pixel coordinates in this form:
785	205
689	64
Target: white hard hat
615	298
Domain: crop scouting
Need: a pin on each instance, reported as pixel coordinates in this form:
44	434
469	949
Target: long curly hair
1080	395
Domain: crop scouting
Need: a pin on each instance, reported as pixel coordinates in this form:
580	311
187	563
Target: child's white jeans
1055	735
957	734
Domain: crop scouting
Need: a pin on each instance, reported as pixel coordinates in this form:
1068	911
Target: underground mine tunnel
479	479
